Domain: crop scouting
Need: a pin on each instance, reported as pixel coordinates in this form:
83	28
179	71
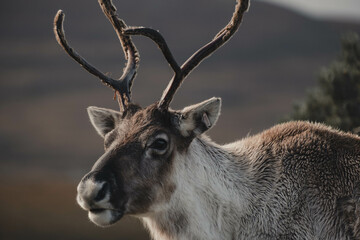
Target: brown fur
320	165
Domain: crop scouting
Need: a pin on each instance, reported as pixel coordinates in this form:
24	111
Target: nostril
102	192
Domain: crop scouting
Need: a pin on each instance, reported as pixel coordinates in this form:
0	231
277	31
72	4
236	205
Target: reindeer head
141	144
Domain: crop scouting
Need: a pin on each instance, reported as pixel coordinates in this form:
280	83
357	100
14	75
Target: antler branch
130	51
60	37
159	40
180	74
123	85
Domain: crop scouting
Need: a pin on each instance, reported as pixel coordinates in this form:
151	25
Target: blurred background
46	140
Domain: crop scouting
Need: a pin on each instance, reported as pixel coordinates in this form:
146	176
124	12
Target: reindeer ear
200	117
103	119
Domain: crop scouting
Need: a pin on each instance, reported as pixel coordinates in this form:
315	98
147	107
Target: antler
123	85
181	72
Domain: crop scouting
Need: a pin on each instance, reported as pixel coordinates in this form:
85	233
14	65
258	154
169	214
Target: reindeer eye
159	144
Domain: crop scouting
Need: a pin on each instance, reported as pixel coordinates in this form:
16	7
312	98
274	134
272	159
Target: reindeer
297	180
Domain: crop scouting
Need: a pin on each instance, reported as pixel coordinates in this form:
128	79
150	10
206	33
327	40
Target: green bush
336	99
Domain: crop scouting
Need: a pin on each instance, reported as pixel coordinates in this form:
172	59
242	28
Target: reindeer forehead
145	122
150	117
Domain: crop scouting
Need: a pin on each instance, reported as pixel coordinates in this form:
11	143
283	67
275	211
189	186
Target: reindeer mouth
105	217
98	210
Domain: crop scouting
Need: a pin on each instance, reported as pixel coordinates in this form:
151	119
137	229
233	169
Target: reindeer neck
211	185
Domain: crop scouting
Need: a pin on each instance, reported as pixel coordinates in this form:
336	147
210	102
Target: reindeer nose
102	192
92	191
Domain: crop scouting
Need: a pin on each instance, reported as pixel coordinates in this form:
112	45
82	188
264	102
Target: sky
348	10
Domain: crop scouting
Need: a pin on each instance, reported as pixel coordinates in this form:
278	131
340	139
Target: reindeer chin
105	217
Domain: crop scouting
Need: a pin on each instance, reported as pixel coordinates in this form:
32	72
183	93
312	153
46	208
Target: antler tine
180	74
123	85
60	37
222	37
130	51
159	40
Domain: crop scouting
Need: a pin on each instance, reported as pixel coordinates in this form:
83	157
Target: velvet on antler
180	73
122	86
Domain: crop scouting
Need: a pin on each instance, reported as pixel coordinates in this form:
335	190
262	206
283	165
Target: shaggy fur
297	180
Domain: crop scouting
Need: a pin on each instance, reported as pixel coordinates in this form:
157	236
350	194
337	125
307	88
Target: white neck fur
211	191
